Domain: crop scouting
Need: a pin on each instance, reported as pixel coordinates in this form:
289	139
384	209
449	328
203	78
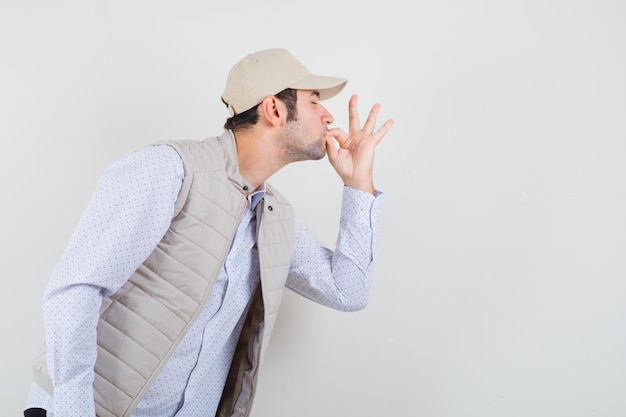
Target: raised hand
353	158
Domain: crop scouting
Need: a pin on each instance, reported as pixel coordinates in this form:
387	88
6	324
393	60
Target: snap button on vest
270	208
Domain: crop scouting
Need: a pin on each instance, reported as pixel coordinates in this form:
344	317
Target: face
305	137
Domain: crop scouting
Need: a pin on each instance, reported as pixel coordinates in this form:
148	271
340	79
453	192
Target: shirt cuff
361	206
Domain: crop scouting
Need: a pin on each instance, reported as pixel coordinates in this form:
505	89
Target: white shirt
130	211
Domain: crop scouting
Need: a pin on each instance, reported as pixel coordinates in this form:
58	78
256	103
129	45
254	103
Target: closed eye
315	97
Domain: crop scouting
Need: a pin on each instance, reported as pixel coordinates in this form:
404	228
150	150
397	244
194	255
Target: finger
337	133
382	131
370	123
354	123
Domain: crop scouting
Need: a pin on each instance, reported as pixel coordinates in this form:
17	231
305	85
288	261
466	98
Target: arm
128	214
339	279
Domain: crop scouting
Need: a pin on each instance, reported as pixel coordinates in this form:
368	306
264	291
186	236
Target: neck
256	156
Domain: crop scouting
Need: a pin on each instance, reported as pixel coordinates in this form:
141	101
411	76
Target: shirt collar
256	196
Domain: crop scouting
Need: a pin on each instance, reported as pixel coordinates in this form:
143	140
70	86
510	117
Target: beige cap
269	72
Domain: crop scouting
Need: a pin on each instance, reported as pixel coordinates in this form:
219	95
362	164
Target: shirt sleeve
129	212
340	279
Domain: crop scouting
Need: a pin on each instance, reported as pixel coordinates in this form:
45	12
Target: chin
319	155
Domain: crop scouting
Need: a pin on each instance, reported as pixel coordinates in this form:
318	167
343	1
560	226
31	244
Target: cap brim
327	86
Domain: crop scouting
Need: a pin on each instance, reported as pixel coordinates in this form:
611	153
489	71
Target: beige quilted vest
143	322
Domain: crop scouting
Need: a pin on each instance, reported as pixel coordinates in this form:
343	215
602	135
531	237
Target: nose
327	118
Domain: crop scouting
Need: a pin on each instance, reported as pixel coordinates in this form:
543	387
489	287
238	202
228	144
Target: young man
164	301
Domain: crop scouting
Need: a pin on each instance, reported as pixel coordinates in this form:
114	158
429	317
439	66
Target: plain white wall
500	283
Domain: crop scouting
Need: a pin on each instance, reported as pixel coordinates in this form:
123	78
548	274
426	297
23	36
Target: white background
500	283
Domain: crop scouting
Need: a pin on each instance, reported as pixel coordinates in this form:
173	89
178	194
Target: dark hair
250	117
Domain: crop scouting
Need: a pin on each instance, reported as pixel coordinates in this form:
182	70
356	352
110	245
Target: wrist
367	186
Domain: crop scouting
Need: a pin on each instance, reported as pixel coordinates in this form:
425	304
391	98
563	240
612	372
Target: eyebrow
315	93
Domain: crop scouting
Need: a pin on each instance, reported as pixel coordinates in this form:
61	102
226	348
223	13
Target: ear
273	110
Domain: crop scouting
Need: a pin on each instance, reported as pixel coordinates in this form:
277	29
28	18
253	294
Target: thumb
331	150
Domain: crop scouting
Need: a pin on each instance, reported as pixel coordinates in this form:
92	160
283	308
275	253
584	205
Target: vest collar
227	143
